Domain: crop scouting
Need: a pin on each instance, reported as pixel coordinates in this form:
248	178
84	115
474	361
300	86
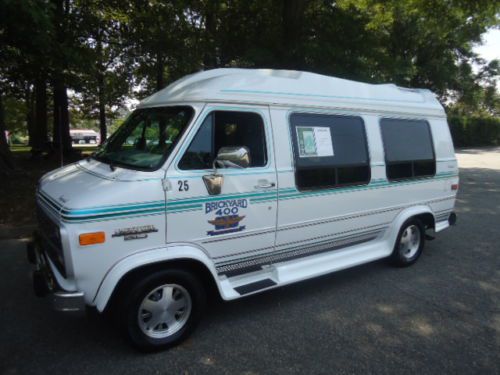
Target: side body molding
170	252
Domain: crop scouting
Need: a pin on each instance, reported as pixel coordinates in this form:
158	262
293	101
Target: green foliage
479	95
162	41
108	79
105	51
25	36
15	115
116	124
475	131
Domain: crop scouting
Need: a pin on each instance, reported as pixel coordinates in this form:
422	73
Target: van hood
91	183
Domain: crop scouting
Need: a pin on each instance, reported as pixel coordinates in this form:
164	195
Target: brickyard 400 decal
227	216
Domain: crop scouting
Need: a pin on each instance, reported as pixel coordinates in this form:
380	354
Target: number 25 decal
183	185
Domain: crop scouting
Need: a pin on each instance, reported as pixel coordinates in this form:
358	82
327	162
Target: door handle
265	185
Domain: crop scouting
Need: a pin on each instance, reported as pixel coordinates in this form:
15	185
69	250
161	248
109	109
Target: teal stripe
220	197
372	186
98	211
135	213
284	190
113	215
195	204
199	208
186	207
261	200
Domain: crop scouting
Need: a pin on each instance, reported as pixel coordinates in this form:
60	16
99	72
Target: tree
160	33
6	162
63	54
100	49
105	83
25	36
477	94
420	43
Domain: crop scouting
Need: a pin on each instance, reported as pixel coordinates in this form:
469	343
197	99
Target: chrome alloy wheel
164	311
409	242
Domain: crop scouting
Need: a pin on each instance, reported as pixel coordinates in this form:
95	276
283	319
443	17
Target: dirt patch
17	190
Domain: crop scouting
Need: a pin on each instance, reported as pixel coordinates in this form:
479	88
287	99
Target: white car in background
84	136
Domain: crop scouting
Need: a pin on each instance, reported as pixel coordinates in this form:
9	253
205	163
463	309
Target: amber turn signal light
92	238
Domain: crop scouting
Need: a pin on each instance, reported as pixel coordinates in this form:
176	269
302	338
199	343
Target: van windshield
146	138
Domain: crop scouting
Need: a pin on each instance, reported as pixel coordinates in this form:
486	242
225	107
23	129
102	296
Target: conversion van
242	181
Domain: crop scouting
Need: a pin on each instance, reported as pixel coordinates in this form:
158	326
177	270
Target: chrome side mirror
213	183
233	157
227	157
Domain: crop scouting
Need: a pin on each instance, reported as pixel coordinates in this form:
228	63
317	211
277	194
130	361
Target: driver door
236	227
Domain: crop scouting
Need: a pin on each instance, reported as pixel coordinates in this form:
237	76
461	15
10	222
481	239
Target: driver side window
224	129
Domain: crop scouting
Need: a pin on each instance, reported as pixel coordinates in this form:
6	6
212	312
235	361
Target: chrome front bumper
45	283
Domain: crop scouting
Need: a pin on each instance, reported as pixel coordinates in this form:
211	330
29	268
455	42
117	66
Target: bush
474	131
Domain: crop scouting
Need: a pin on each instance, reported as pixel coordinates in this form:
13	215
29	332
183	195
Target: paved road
440	316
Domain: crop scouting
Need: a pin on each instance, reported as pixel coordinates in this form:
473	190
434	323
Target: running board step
241	271
255	286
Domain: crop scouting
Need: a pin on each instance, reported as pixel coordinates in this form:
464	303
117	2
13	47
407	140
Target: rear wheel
163	309
409	243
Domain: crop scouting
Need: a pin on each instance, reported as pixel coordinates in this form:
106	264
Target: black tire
132	300
401	256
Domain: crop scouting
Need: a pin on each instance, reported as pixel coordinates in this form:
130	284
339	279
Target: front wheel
163	309
409	243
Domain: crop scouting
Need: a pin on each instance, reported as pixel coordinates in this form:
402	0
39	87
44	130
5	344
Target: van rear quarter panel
331	214
446	166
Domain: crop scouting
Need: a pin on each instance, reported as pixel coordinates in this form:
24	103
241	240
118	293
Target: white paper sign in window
314	141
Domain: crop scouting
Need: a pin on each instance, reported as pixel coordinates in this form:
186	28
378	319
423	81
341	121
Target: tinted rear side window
329	151
408	148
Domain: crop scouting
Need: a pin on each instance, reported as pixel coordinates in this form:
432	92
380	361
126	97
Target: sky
490	50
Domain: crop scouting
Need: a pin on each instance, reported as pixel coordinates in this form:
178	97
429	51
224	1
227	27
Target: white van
84	136
244	181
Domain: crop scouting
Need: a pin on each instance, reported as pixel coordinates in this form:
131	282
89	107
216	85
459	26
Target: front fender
146	257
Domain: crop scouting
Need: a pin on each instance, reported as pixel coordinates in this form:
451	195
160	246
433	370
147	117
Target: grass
20	148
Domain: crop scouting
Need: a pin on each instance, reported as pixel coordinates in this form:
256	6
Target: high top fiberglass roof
295	89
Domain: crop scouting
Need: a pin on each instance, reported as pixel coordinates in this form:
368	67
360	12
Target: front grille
50	240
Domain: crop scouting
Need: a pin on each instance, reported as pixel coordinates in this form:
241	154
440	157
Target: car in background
84	136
